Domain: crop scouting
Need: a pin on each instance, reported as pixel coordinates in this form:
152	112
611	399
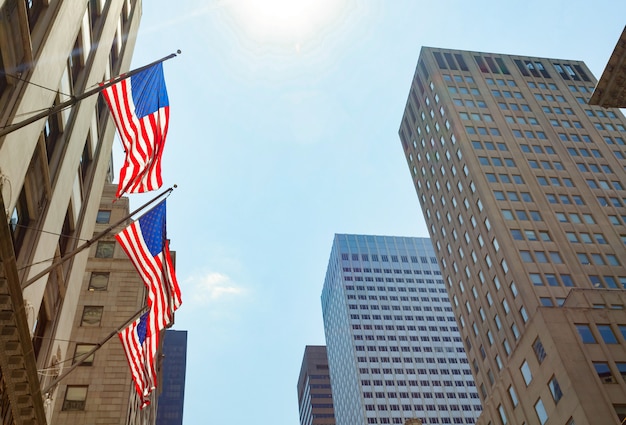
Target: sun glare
285	21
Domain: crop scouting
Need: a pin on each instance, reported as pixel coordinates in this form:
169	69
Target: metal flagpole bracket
93	240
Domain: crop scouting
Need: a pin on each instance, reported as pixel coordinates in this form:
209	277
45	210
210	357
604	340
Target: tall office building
100	389
523	188
394	350
51	177
315	398
172	397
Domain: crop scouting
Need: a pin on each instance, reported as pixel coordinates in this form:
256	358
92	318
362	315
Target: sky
283	132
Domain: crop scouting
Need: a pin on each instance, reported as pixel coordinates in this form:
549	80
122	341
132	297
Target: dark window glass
585	334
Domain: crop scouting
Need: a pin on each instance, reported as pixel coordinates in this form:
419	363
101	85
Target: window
104	216
81	350
604	372
526	374
99	281
607	334
585	334
502	414
75	397
105	249
621	367
555	389
92	315
539	350
541	412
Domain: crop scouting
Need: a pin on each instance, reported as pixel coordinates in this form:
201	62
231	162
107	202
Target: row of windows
550	98
551	164
396	308
507	94
605	331
386	271
600	113
440	407
461	78
389	280
398	327
597	259
605	185
399	370
529	134
476	117
617	220
395	298
558	111
603	369
587	153
422	338
543	86
504	178
538	149
521	215
385	258
609	126
463	90
523	120
490	146
399	289
531	235
412	337
564	199
483	131
398	317
514	107
541	257
424	420
431	360
391	382
551	279
416	394
500	82
496	161
512	196
555	181
468	103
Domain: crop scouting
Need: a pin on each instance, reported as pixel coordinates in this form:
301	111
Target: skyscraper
172	397
394	350
51	175
112	293
523	188
315	398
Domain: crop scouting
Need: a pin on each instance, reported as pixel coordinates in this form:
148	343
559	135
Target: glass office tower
523	188
394	349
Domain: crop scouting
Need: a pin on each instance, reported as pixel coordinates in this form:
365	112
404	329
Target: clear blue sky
284	122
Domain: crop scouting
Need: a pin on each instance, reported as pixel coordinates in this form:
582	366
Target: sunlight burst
285	21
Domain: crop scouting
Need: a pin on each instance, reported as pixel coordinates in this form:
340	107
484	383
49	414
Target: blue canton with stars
142	328
149	92
152	226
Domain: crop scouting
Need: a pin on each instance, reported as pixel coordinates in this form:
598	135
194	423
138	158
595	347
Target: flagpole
75	99
92	240
99	345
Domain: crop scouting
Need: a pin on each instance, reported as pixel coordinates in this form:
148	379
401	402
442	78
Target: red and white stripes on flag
140	109
145	243
140	352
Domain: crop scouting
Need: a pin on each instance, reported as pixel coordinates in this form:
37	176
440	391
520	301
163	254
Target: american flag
146	245
140	109
140	350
